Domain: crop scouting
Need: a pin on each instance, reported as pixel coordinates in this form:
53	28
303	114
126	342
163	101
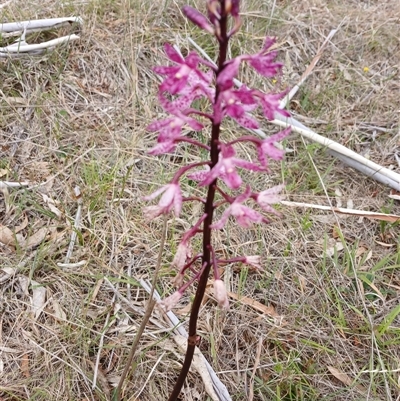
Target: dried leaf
6	196
25	365
38	298
336	232
185	310
344	70
338	195
6	236
345	379
334	249
302	283
394	196
6	273
58	311
375	288
385	244
36	239
360	250
51	203
23	225
24	283
267	310
3	172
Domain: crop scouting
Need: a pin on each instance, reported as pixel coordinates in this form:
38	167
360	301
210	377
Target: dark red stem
209	210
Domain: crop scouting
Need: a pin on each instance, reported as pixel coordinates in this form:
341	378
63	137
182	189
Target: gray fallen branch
38	25
9	184
345	155
77	223
20	48
391	218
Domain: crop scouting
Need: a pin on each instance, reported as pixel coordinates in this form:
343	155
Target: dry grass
80	115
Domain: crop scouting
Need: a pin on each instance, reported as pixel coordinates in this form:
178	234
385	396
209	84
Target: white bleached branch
20	48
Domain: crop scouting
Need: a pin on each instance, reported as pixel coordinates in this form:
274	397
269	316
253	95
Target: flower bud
197	18
178	280
253	261
168	303
181	254
220	294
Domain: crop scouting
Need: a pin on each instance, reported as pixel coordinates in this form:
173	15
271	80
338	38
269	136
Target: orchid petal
197	18
172	54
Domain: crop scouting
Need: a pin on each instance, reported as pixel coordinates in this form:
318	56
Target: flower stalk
184	82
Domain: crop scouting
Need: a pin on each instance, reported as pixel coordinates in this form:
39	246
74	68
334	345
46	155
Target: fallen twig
391	218
77	223
146	317
9	184
21	48
38	24
308	70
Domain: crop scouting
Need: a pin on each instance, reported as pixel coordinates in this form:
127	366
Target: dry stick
22	48
9	184
353	159
146	317
37	24
391	218
77	223
256	364
308	70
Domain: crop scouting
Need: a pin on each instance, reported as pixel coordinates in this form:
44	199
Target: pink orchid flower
268	197
270	103
170	130
198	19
226	168
170	200
168	303
236	104
254	261
263	62
267	147
245	215
177	76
